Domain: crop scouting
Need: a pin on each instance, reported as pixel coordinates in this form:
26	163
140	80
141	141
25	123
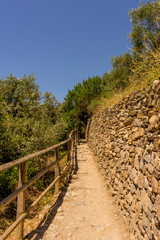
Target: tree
50	107
20	99
75	106
145	27
118	77
28	123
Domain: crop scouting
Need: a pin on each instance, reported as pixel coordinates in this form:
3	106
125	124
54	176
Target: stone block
154	127
156	144
156	206
138	209
129	198
133	113
139	151
133	221
146	202
157	174
146	222
154	184
150	137
145	182
156	162
133	174
134	129
116	149
137	122
149	167
153	119
139	134
128	121
140	227
136	162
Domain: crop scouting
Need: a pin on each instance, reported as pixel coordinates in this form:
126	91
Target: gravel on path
88	211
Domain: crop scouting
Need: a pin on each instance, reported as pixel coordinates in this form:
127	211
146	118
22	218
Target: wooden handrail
13	195
28	157
24	184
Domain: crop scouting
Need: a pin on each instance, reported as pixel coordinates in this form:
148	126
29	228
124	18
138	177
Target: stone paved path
87	211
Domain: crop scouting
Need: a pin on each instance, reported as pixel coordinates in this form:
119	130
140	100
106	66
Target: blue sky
62	41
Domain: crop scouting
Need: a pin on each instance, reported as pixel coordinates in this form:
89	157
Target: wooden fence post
76	138
21	199
69	154
56	170
69	159
72	150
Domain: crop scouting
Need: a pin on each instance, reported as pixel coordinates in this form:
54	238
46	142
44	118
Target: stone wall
126	140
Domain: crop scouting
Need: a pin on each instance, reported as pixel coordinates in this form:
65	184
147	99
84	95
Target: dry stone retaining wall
126	140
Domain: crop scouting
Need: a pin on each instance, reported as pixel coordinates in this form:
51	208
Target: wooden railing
23	184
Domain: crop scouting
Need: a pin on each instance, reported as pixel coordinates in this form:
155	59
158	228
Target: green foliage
20	99
29	122
146	26
95	103
118	77
8	181
145	37
146	70
50	107
136	69
77	101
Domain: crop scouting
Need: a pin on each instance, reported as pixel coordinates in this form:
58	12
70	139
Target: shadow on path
39	232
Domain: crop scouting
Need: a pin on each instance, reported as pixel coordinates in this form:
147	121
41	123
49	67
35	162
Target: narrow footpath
87	211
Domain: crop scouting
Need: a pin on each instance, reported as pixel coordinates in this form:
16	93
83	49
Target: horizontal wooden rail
24	215
28	157
13	195
24	184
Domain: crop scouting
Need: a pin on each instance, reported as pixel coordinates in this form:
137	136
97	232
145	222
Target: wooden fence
23	184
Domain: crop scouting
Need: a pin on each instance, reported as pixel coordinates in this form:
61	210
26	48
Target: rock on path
87	211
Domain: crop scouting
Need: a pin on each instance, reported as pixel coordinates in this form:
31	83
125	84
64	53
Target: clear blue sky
62	41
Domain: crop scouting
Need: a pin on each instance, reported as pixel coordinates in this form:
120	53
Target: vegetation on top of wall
145	27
